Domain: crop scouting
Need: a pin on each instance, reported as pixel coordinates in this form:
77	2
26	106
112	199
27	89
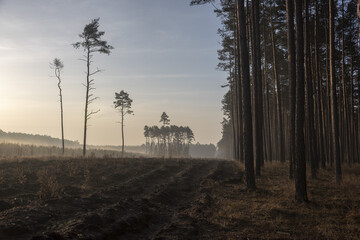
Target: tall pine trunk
358	13
310	101
62	123
122	133
269	117
278	96
257	81
86	98
300	163
346	142
248	138
240	124
292	79
320	101
334	110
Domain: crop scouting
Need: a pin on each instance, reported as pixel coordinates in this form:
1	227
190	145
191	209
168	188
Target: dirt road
109	199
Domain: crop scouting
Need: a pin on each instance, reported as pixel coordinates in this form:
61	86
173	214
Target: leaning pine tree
91	42
57	65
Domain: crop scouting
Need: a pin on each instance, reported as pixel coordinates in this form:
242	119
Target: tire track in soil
192	222
122	194
153	205
143	183
54	215
144	216
156	210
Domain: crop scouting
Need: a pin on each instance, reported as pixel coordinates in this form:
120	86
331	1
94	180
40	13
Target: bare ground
169	199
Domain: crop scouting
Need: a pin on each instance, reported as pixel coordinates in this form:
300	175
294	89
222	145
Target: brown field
169	199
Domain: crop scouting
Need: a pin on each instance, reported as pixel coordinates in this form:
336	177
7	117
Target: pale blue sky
165	58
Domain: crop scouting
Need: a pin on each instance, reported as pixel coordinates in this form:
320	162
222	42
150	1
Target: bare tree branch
92	113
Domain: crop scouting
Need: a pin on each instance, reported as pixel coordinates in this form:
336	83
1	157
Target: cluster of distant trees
168	140
196	150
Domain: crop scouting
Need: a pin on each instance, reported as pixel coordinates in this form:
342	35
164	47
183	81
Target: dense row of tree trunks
307	114
277	91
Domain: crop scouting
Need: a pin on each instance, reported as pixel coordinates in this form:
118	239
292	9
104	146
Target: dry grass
20	175
271	211
49	186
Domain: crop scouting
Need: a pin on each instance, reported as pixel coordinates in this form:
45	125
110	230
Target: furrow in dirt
133	199
123	195
162	204
144	183
190	222
142	217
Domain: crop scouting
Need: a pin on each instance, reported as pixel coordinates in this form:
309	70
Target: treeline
196	150
168	140
293	77
34	139
171	141
203	150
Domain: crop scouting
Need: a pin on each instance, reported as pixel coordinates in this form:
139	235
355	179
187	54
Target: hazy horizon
164	57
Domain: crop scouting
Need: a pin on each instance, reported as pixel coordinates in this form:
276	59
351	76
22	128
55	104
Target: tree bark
358	13
239	108
233	115
57	73
269	117
62	123
319	90
351	112
292	79
86	98
278	96
122	132
334	112
257	81
300	164
248	138
346	142
310	101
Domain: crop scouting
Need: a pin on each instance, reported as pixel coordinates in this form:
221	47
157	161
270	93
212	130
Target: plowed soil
171	199
108	199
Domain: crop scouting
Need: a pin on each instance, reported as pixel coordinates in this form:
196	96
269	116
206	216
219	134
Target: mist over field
168	119
162	68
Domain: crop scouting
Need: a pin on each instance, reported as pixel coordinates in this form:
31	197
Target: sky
165	57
